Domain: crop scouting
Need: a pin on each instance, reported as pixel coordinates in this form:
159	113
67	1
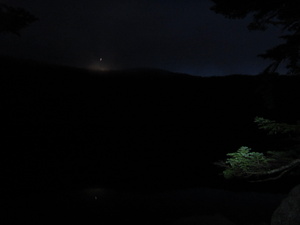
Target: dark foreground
138	131
168	207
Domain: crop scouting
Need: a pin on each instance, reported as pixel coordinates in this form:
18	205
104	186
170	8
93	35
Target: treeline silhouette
145	128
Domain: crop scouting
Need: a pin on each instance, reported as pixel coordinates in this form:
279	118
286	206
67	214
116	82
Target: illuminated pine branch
257	166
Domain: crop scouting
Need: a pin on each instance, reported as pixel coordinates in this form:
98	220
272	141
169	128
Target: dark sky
176	35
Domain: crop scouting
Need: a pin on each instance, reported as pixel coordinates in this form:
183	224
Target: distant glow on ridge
98	65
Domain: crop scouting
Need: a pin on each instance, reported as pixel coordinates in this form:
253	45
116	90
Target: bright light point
94	194
100	59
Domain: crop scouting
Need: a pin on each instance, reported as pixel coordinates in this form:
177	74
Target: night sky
175	35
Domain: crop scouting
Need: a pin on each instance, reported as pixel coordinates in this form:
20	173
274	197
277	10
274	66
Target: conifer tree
283	14
13	19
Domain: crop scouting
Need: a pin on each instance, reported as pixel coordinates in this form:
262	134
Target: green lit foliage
257	166
243	162
275	128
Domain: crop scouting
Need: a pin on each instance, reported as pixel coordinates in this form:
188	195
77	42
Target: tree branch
280	169
283	170
271	178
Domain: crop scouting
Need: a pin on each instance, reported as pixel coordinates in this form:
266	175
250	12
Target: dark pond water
96	205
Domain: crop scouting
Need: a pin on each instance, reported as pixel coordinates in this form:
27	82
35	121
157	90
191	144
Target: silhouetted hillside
66	126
